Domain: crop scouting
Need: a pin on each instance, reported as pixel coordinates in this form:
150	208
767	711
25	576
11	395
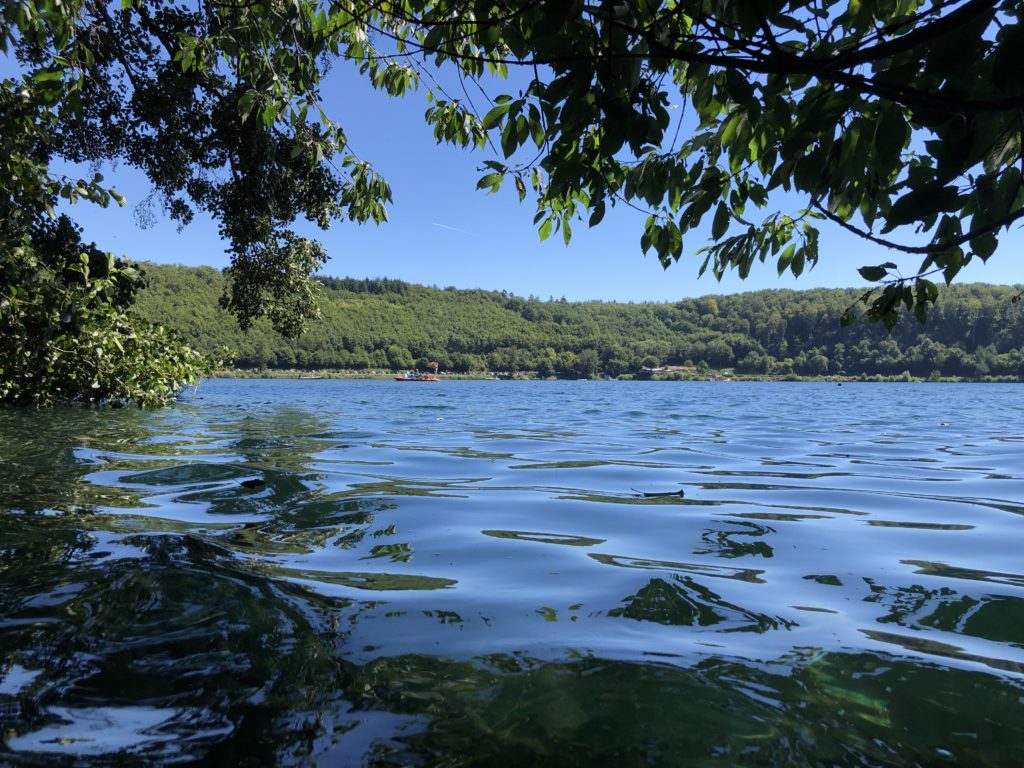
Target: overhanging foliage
899	120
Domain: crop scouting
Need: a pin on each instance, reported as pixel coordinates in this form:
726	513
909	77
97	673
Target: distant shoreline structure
669	374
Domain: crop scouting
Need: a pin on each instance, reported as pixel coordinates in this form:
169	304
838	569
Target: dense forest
974	331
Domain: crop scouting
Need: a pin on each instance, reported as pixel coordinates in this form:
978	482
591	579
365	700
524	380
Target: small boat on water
310	377
416	376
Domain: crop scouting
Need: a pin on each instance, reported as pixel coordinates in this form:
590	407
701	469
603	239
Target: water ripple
369	574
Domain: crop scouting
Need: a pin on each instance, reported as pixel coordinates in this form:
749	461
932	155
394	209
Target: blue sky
445	232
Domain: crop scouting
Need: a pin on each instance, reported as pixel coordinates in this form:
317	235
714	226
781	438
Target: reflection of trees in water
46	456
999	618
233	665
251	663
828	709
203	622
297	512
255	672
278	445
741	540
156	462
39	468
686	602
116	615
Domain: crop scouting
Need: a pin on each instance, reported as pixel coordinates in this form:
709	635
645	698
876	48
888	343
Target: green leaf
873	274
740	88
536	126
953	262
891	132
919	204
721	221
651	228
246	103
520	188
494	116
509	138
730	127
984	246
799	261
786	258
48	75
490	180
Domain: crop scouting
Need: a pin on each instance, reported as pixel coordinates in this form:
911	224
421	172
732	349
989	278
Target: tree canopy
899	120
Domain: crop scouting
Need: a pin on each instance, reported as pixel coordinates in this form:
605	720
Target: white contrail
453	229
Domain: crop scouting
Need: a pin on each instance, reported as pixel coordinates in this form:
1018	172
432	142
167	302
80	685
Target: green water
516	574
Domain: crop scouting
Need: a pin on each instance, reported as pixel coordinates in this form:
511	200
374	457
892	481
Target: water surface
516	573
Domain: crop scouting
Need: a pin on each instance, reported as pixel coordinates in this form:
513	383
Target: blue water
516	573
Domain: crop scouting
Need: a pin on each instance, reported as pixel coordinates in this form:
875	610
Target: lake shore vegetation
384	325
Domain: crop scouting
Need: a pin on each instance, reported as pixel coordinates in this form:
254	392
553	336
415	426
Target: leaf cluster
218	104
68	335
899	117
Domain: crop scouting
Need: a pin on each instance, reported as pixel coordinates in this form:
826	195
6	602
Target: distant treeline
974	331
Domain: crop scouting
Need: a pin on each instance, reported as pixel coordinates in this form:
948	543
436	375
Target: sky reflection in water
506	573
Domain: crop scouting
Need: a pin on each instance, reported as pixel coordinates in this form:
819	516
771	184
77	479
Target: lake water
516	574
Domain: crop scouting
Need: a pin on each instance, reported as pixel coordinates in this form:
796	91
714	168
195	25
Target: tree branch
926	250
942	26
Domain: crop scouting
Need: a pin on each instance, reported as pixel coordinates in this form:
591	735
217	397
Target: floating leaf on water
921	526
656	494
358	580
546	538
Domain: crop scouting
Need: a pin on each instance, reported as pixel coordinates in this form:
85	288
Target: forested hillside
974	331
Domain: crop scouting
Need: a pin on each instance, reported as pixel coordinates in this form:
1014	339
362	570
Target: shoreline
723	377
